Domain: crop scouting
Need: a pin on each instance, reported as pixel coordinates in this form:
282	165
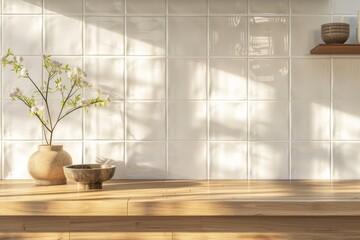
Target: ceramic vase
46	165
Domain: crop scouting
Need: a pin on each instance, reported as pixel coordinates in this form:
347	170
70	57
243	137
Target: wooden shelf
336	49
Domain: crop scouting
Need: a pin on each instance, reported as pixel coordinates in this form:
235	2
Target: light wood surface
183	198
182	210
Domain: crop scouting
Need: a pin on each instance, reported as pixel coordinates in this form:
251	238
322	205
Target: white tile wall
201	89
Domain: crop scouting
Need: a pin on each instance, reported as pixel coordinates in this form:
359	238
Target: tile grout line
125	88
289	62
166	90
248	143
208	157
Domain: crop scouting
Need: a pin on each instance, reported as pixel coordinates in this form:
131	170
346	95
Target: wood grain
184	198
336	49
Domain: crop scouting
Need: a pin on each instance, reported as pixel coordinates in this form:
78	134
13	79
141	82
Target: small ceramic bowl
335	33
89	176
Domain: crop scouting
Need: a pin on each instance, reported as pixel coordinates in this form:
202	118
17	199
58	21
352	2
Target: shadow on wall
268	81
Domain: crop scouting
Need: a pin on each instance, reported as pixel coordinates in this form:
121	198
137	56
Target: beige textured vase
46	165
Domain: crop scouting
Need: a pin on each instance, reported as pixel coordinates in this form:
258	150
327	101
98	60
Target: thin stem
45	99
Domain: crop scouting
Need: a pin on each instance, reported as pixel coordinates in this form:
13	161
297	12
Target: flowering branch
71	98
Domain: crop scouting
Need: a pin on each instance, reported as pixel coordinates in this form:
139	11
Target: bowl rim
109	166
336	24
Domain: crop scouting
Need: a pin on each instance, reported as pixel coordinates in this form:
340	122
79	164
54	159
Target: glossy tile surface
318	7
146	120
228	7
228	79
269	160
187	7
181	43
269	120
145	35
146	160
310	160
187	120
145	78
187	160
268	79
106	153
310	120
54	28
104	36
186	79
346	79
312	83
269	6
14	28
146	7
269	36
22	7
104	7
228	121
228	160
228	36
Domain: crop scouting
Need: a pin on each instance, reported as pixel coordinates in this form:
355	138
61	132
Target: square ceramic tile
10	79
181	43
269	79
63	6
146	78
314	83
104	36
16	156
187	7
17	124
228	121
311	7
146	160
305	33
228	160
146	120
187	78
228	36
269	121
346	160
75	149
228	79
310	120
105	123
310	160
145	35
69	128
106	73
353	21
104	7
228	6
146	7
106	153
187	160
269	6
14	28
346	76
345	6
346	120
269	36
22	7
187	120
72	62
269	160
55	43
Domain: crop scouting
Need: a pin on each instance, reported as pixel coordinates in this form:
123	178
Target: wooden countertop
183	198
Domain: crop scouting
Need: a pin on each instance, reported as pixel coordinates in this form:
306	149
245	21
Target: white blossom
107	98
24	72
86	83
39	110
19	59
85	102
14	93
